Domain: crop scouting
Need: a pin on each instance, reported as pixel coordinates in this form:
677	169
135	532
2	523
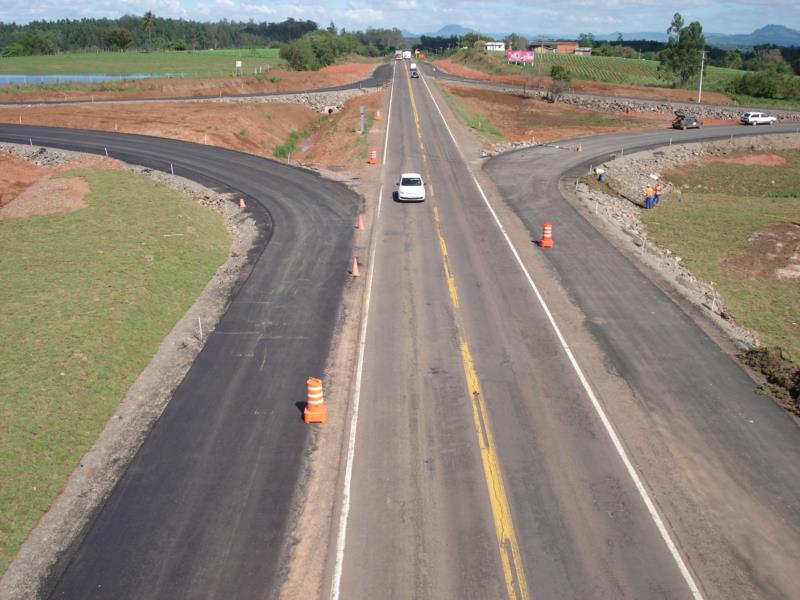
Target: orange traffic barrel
316	411
373	156
547	236
377	115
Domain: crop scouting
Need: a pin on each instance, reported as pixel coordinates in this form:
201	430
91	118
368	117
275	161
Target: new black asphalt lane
746	449
207	505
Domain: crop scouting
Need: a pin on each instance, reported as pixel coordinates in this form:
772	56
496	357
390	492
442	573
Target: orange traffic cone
354	270
378	115
373	156
360	222
316	411
547	236
241	203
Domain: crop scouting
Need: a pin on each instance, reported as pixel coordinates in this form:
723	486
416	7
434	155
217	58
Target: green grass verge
705	225
290	145
88	297
201	63
479	122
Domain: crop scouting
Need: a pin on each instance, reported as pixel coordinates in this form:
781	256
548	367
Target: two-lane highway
481	468
490	460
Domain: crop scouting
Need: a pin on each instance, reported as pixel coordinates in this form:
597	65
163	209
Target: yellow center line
510	557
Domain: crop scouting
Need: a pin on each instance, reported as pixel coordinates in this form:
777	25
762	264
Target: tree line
148	32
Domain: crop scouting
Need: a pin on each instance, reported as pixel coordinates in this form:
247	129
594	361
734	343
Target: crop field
608	69
89	297
203	63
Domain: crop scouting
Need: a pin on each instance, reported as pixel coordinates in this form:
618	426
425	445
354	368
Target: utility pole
702	64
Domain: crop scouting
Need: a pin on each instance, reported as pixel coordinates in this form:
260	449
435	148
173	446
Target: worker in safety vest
649	193
601	174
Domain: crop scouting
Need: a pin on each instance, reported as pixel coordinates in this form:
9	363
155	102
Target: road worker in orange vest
649	193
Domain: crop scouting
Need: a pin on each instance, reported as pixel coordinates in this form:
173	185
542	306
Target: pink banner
520	56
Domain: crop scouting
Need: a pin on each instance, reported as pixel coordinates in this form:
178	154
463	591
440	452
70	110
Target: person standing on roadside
649	193
658	191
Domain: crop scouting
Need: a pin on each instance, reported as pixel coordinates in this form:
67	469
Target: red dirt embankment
275	80
27	190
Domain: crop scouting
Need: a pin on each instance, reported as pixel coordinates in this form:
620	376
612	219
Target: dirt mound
775	252
48	196
16	175
525	118
26	189
764	160
783	376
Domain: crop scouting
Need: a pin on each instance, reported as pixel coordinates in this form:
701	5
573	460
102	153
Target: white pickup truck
757	118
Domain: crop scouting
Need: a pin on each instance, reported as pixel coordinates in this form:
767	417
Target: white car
757	118
411	188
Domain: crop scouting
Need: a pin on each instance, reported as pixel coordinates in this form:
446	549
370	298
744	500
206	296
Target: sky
424	16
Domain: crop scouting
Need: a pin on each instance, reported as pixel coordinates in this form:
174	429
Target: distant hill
449	30
769	34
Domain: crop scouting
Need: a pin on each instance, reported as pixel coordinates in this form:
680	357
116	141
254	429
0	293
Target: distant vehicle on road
398	55
683	121
407	54
411	188
414	74
757	118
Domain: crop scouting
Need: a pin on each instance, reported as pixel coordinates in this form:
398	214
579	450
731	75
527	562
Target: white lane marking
651	508
388	118
341	537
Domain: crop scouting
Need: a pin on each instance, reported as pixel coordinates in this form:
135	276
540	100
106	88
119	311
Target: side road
733	493
229	449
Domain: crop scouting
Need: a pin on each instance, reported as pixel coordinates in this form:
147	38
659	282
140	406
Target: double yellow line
513	572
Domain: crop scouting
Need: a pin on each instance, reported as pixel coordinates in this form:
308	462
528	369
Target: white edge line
651	508
388	118
341	537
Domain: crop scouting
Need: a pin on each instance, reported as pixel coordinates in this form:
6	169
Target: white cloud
365	16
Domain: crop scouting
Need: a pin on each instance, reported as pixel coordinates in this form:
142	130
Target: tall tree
118	37
149	21
516	42
681	57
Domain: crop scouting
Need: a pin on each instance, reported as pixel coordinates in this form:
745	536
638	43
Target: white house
494	47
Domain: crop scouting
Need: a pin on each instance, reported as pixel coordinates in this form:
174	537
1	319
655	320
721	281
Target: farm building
559	47
494	47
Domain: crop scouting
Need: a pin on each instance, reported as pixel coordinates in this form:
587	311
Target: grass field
710	226
88	297
202	63
608	69
477	122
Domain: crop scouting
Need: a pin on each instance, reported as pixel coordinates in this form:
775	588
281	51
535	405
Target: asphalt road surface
207	505
482	466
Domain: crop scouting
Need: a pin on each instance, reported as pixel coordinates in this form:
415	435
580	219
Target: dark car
414	74
683	121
